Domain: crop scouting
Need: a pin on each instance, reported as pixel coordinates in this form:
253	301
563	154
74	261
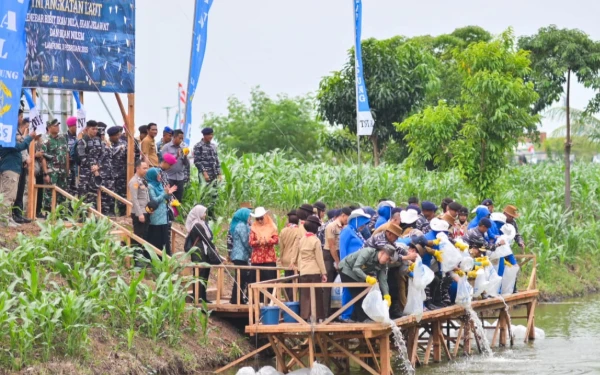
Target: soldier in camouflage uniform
56	152
119	163
89	152
209	167
71	141
106	172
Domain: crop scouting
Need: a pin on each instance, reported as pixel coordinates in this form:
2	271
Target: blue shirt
10	157
241	249
159	216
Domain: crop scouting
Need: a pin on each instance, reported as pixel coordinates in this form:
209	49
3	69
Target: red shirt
263	253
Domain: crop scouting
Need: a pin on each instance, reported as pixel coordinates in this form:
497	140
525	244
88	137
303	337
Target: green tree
556	54
266	124
397	75
475	135
582	124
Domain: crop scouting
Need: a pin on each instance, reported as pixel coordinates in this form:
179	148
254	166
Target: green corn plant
203	317
77	317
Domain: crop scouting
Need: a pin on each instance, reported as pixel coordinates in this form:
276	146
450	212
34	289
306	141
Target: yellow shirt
149	149
288	245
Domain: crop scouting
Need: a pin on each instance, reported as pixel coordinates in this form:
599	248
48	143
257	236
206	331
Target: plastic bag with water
336	294
481	283
509	279
464	292
494	281
422	275
451	256
268	370
246	371
414	301
375	307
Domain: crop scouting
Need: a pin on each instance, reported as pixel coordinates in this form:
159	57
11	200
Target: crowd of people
370	245
353	244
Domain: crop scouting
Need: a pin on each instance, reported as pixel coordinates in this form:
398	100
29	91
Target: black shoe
20	219
430	306
41	216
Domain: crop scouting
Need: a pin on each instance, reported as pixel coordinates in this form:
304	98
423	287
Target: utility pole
168	109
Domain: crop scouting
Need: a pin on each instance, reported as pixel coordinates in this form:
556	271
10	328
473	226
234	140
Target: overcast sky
288	46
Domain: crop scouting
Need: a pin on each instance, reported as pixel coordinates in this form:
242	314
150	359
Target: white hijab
195	217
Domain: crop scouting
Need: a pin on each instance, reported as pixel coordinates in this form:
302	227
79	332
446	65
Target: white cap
259	212
409	216
439	225
358	213
498	216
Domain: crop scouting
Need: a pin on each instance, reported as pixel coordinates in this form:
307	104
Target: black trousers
289	292
159	236
245	279
40	194
358	315
204	274
180	189
141	230
17	208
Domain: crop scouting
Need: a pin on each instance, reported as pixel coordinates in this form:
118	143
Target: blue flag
364	118
12	62
196	59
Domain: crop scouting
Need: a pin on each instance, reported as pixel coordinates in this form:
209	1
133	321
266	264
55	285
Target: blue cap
114	130
168	130
487	202
207	131
486	222
428	206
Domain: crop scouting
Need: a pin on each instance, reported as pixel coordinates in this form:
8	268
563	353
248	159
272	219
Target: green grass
560	240
57	287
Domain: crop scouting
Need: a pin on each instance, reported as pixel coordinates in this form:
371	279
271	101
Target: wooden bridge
439	334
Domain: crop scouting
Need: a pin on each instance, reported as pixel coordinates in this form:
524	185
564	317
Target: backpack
321	234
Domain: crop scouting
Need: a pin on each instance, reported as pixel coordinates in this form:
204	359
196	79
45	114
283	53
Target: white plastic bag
509	279
319	369
246	371
494	281
302	371
481	283
463	293
414	301
375	307
502	251
268	370
336	294
422	275
451	256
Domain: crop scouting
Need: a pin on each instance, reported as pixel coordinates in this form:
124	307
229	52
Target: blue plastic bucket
295	307
269	315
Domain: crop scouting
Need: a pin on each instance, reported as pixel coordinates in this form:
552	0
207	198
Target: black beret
207	131
114	130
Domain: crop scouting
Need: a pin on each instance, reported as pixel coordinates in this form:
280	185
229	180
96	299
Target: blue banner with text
12	58
81	45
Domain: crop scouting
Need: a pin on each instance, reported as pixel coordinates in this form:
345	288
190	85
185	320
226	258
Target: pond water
571	346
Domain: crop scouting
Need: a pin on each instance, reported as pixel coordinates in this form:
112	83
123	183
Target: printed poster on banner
364	118
12	58
81	45
80	120
36	123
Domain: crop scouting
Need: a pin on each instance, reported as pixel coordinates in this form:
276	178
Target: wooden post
437	349
385	358
313	306
99	201
280	362
53	202
311	351
530	332
130	143
502	324
238	289
219	279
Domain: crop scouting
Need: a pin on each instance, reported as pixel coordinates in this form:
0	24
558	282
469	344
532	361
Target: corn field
56	287
280	183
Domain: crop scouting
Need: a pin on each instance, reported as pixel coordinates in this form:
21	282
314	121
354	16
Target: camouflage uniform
72	179
207	160
89	151
57	149
119	165
107	172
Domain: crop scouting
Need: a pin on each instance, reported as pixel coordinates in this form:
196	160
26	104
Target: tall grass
56	287
281	183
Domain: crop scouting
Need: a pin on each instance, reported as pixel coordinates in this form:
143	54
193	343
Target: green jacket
10	157
364	263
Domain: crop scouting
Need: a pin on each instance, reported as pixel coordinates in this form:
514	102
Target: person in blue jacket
384	210
351	240
11	167
437	292
368	229
480	213
498	221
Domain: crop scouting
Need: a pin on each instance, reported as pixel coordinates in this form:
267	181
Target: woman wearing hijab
384	210
351	240
480	212
240	251
263	238
160	228
311	267
200	236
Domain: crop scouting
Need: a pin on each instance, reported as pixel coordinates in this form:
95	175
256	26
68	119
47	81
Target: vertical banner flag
36	123
80	113
12	60
364	118
196	58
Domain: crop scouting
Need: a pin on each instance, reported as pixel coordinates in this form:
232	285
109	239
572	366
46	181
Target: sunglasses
260	218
